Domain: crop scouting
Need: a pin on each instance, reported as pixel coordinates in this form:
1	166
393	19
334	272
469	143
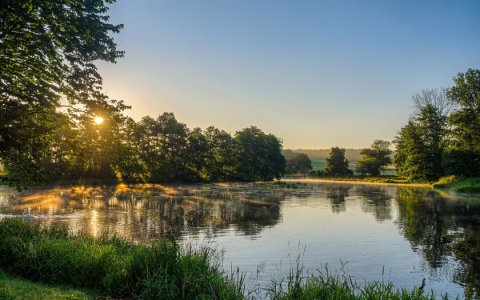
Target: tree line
51	93
158	149
441	138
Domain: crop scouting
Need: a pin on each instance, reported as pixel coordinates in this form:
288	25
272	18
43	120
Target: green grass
468	185
340	287
372	179
12	287
111	266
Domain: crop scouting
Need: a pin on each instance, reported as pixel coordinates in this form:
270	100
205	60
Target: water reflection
445	231
337	195
143	212
376	200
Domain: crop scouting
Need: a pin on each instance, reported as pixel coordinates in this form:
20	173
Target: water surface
397	234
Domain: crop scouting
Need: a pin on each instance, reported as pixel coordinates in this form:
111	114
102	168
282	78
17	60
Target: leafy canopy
47	62
374	158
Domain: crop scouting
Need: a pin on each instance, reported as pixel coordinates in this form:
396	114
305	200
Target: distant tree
463	154
337	164
259	154
374	158
297	162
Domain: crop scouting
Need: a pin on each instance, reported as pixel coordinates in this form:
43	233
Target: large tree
259	155
421	143
337	164
463	155
47	61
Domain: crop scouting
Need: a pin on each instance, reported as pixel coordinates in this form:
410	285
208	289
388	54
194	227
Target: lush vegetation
55	121
111	266
337	164
374	158
339	287
443	136
459	184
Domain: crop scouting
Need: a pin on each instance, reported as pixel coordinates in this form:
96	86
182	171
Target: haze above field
321	154
316	74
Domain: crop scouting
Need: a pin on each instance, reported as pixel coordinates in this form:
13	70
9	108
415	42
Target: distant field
320	164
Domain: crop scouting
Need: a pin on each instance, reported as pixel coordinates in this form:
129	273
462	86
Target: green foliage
111	266
47	63
337	164
427	149
374	158
470	185
169	151
259	154
339	287
296	162
463	156
445	181
420	144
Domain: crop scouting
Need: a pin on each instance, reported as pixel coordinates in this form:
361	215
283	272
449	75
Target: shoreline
362	182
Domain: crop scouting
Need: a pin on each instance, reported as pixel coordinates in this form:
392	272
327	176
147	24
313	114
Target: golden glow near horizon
98	120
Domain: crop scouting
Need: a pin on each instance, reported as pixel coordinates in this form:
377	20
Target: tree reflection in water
443	230
337	195
143	212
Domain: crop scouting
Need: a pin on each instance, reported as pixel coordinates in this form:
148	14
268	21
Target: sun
98	120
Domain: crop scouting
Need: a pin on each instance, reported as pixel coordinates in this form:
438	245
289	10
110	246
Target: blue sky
315	73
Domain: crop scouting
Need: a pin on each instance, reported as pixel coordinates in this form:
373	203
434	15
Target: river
400	234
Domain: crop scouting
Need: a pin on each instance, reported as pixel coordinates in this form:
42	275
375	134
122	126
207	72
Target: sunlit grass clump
459	184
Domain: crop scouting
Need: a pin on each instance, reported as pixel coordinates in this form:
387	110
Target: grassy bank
111	267
469	185
379	180
12	287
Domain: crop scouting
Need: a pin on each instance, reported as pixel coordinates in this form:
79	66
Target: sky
316	74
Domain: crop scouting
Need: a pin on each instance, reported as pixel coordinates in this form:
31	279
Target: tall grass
111	266
328	286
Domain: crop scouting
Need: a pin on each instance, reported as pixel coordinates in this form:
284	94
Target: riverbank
60	263
466	185
385	181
